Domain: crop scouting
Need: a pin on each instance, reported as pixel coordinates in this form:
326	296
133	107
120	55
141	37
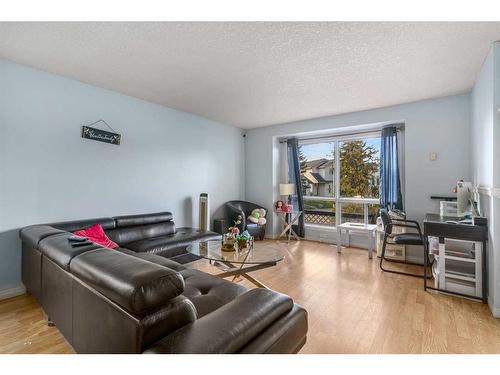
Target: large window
340	179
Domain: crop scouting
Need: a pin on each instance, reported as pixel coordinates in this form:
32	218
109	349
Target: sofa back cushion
71	226
135	284
142	219
123	236
133	228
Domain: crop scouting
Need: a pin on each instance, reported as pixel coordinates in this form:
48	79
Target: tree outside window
359	169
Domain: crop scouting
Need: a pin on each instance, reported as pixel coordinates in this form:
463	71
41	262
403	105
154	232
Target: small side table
369	229
294	216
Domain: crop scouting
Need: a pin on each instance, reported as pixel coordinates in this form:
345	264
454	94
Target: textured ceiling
259	73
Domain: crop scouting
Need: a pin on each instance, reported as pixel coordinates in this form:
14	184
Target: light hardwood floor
353	308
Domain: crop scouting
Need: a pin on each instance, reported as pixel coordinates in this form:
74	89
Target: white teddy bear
258	216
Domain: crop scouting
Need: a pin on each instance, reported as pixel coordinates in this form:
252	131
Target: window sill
318	226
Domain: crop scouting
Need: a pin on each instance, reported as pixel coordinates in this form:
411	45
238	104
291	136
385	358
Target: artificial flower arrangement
235	237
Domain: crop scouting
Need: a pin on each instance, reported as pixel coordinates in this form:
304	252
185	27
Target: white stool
369	229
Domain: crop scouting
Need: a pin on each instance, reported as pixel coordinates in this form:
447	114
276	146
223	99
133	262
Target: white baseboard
12	292
494	310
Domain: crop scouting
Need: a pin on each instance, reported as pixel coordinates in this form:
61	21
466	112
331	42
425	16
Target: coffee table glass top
260	254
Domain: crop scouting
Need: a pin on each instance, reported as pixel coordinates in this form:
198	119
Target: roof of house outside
318	163
316	178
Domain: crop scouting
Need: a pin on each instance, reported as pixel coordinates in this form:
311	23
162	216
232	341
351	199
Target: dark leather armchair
226	216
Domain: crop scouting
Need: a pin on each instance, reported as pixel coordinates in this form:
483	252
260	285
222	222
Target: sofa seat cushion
162	261
58	249
158	245
408	239
173	244
135	284
256	230
209	292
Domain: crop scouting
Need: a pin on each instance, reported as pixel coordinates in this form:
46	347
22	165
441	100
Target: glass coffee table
239	263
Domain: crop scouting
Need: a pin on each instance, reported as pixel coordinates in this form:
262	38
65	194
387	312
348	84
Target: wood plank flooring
24	329
353	308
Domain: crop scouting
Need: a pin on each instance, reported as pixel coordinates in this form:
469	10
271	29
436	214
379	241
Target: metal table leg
339	240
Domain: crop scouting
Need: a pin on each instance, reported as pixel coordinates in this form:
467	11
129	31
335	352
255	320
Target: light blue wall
495	220
47	172
482	124
485	135
438	125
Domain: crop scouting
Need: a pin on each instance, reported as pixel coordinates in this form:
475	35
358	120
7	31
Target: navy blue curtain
294	178
390	183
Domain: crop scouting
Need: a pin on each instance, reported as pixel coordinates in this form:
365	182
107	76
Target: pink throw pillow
96	234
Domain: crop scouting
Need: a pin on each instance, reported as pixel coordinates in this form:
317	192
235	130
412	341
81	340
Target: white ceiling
260	73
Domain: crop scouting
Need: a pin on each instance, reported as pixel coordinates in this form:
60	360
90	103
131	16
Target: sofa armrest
33	234
137	285
287	335
229	328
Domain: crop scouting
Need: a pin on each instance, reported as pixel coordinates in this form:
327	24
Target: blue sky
324	150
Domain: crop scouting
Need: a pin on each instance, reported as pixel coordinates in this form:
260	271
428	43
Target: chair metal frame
388	234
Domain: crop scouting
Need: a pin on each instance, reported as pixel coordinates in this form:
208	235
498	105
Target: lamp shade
287	189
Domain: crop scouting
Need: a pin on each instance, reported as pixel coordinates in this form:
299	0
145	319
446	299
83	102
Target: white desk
369	229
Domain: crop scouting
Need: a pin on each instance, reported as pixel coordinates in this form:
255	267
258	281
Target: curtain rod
397	126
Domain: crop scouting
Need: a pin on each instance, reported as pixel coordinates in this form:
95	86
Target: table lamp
287	189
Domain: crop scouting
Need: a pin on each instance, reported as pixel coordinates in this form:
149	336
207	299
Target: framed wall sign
100	135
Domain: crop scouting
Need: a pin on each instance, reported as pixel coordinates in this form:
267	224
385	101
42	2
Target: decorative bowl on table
228	242
227	247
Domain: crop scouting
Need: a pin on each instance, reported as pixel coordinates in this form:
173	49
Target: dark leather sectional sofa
137	299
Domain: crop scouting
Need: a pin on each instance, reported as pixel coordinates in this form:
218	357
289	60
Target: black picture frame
101	135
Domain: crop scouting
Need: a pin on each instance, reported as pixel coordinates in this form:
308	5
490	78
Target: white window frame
337	199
